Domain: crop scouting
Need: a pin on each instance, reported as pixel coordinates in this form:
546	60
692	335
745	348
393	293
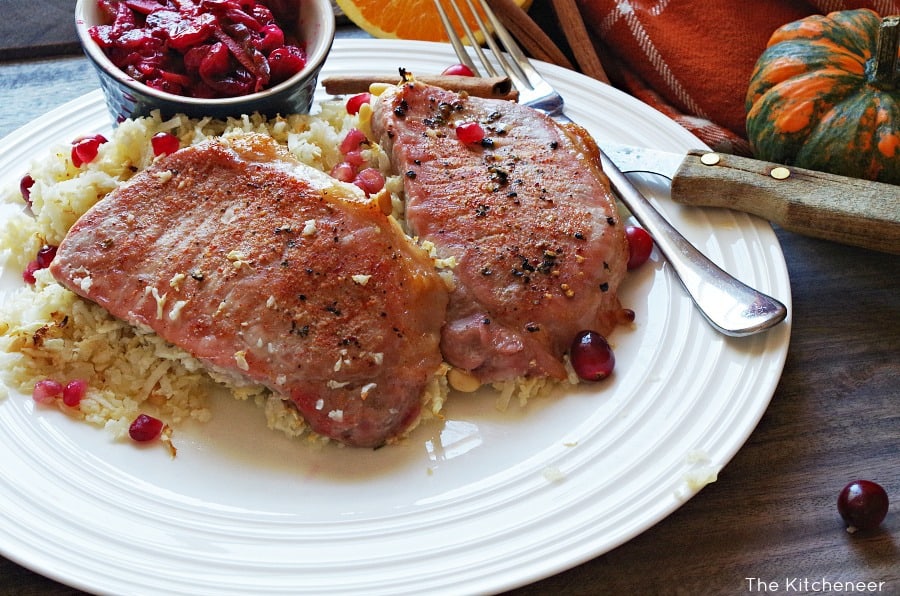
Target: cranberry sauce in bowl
206	57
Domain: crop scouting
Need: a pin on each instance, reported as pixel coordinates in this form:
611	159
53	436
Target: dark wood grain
37	28
771	515
835	416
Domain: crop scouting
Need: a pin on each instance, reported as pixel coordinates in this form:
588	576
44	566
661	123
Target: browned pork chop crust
527	214
271	271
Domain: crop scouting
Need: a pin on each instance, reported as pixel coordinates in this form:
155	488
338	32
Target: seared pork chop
526	213
274	272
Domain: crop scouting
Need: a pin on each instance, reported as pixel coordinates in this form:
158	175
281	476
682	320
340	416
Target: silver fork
730	305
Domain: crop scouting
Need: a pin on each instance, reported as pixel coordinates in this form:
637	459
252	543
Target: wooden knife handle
846	210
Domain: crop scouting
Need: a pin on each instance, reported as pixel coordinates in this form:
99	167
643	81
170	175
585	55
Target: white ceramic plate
483	502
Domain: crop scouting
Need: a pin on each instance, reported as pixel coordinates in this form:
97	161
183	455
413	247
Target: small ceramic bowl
128	98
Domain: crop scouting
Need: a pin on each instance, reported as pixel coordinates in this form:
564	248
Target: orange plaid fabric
692	59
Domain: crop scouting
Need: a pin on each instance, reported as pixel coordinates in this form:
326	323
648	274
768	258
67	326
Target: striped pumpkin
825	95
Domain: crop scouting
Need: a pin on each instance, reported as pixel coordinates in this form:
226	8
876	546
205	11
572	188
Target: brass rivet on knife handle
780	173
710	159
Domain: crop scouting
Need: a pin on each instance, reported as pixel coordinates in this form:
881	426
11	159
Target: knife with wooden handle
837	208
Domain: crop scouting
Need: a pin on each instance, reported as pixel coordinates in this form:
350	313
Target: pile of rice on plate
48	332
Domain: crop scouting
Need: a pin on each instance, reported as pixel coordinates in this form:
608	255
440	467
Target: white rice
47	332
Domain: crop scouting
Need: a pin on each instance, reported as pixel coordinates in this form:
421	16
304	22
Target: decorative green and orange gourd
825	95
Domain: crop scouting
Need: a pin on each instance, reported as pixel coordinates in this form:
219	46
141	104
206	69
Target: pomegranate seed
352	140
640	245
355	102
343	172
370	180
354	158
43	259
46	391
45	256
460	70
73	392
25	185
28	273
145	428
85	149
863	505
164	143
470	132
591	357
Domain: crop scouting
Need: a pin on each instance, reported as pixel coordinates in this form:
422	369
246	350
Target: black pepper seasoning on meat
548	262
301	331
499	175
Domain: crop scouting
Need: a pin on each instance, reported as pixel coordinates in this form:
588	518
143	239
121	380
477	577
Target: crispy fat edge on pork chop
270	271
528	215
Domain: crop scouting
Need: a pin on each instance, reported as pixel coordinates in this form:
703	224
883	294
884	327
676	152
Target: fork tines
493	24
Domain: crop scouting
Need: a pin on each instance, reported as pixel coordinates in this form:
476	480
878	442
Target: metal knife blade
851	211
637	159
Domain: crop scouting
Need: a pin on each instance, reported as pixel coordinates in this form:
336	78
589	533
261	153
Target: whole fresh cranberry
591	357
863	505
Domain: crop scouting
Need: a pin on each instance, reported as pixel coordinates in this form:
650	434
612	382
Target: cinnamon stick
489	87
573	27
530	36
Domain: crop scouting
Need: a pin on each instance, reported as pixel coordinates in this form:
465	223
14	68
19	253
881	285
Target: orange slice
405	19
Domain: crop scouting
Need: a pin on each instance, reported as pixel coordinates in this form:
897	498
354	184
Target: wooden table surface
769	524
